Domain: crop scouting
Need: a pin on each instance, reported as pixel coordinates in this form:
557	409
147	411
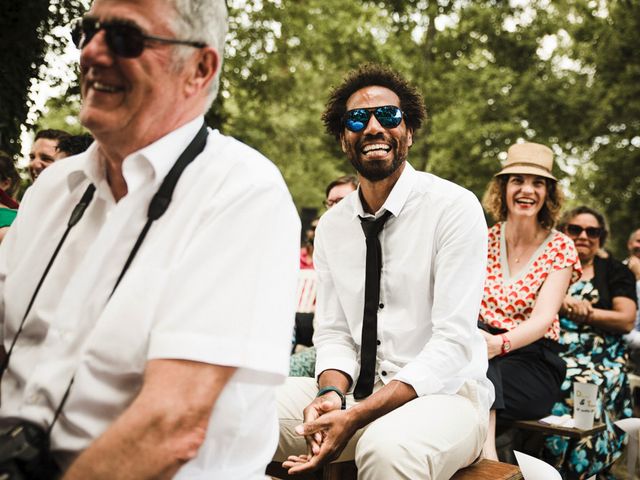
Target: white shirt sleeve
8	253
332	336
459	273
230	299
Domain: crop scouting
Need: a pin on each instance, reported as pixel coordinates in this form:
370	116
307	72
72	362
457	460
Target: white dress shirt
214	282
434	249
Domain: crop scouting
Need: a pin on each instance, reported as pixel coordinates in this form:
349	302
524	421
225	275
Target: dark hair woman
9	181
599	309
529	268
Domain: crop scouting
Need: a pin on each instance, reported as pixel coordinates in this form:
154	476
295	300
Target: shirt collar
397	198
154	160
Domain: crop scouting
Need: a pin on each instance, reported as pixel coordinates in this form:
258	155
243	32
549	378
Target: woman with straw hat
529	268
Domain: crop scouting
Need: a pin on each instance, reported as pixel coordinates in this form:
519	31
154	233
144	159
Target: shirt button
384	374
381	305
378	342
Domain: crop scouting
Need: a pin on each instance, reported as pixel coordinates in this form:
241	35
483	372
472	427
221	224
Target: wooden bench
483	470
546	429
528	436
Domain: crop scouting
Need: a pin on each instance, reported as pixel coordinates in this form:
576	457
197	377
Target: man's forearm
130	449
388	398
162	429
334	378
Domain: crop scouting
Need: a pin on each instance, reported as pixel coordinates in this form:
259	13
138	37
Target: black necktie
368	347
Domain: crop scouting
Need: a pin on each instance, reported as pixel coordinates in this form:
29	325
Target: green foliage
480	68
61	113
484	83
27	31
280	66
609	136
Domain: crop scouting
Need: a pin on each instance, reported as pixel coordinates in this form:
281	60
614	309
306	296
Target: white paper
535	469
563	421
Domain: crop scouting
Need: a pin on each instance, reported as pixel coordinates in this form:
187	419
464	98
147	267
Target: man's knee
381	454
294	395
415	442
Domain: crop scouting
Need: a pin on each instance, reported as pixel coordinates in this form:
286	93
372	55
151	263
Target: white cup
584	404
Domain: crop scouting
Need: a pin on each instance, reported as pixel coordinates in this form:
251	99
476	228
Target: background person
9	183
595	314
530	266
44	150
73	145
334	193
633	260
338	189
306	252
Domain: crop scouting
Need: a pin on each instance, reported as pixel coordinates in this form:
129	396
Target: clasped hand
326	429
579	311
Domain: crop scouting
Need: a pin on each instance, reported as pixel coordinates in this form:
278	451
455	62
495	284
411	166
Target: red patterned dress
507	302
527	380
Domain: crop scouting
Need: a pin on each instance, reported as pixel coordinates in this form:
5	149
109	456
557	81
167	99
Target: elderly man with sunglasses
141	326
400	374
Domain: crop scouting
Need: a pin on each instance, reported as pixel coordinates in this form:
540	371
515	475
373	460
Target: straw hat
531	158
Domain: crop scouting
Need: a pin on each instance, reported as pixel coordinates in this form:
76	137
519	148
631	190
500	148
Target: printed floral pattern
506	305
303	364
596	357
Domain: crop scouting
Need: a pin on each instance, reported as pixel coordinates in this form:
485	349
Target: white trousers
430	437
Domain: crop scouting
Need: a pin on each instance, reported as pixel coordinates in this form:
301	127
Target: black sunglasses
388	116
576	230
124	39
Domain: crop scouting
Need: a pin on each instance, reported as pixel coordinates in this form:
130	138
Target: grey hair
202	21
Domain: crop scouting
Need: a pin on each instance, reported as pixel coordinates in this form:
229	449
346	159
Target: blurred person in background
633	260
595	314
633	337
73	145
334	193
9	182
44	150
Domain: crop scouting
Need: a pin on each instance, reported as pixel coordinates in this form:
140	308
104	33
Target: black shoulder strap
161	200
76	215
159	204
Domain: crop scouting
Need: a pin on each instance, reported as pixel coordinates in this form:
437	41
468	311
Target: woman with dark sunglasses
598	310
529	268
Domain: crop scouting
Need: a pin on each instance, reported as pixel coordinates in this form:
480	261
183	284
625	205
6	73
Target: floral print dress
595	356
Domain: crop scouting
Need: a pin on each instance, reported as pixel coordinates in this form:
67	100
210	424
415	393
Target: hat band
527	164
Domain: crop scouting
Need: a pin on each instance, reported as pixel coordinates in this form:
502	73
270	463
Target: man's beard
376	170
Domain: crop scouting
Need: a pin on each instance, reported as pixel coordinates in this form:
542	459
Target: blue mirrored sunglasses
389	116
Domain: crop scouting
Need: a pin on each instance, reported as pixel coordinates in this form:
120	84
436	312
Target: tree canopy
493	72
28	30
